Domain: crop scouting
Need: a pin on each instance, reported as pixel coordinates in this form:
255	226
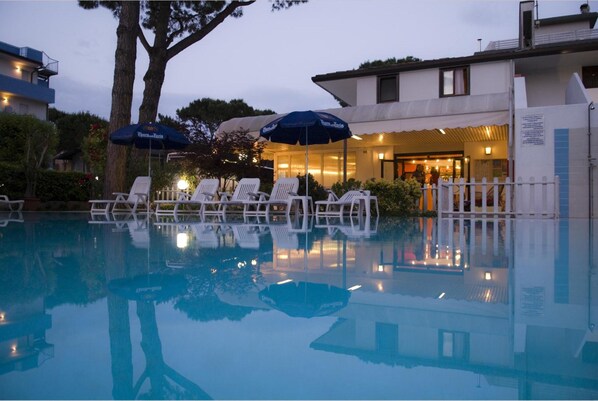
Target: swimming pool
394	309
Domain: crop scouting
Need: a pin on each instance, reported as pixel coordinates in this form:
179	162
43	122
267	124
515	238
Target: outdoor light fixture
441	131
284	281
488	150
381	156
488	276
182	184
442	294
353	136
380	268
355	287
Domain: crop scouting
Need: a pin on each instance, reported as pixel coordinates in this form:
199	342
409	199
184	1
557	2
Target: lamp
182	184
488	150
381	156
488	276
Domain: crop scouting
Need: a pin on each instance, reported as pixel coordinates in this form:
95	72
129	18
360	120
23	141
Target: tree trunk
122	94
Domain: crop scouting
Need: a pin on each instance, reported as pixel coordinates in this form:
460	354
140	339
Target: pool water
299	309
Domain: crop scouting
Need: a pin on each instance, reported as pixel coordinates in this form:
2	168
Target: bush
51	186
340	188
316	190
396	198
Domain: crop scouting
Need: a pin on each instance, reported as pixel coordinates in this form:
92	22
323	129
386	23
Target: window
454	81
589	76
388	89
453	345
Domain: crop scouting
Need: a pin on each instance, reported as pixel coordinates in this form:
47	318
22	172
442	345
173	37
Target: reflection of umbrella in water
304	299
149	136
306	128
148	287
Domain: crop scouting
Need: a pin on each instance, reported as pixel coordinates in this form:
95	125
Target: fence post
495	206
508	194
532	196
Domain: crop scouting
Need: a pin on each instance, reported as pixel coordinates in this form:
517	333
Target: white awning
445	113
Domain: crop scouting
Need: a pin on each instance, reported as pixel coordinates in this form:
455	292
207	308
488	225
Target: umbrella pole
306	167
149	160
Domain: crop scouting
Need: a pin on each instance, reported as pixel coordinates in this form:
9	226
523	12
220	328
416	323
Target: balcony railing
545	39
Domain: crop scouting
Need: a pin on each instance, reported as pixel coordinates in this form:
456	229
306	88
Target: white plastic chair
282	190
245	190
125	202
206	191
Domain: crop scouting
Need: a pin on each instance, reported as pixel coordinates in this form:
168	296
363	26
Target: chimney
526	24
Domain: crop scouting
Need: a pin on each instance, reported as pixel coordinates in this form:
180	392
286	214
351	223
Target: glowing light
380	287
488	150
380	268
283	165
2	317
13	349
442	294
442	131
488	276
182	184
355	287
380	137
182	240
253	262
381	156
284	281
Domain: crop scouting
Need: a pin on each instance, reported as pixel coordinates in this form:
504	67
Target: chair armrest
224	195
4	198
259	195
209	195
293	193
183	196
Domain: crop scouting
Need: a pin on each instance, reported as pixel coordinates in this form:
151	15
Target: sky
265	58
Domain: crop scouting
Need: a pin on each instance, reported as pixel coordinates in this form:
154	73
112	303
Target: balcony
17	87
545	39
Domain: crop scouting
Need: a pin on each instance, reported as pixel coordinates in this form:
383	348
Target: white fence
521	198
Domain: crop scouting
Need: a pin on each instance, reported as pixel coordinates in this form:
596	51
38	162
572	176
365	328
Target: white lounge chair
245	190
13	205
335	206
206	191
127	203
282	190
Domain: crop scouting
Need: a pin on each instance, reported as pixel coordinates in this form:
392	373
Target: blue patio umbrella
306	128
149	136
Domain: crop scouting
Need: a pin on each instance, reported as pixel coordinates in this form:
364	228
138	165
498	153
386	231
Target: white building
521	108
25	80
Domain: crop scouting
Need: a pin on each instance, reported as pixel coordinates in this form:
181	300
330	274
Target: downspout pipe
591	161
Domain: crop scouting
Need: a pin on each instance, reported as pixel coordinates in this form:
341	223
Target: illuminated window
454	81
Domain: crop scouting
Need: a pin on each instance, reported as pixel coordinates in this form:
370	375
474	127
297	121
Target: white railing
545	39
521	198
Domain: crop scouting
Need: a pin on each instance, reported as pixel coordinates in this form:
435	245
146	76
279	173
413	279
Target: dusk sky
265	58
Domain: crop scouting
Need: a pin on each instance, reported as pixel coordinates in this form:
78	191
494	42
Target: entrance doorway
434	166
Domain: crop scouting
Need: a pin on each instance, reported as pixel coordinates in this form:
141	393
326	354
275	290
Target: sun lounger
282	190
128	203
206	191
12	205
245	190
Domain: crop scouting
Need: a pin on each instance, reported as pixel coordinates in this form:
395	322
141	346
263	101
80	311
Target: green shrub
316	190
396	198
340	188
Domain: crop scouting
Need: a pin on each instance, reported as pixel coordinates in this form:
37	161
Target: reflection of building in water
23	343
514	304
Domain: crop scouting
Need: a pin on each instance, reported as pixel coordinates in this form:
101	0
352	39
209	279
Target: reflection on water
391	309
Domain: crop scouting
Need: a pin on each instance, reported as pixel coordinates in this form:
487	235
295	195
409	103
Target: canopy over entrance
463	119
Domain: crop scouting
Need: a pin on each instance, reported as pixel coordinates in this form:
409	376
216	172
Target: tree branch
197	36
